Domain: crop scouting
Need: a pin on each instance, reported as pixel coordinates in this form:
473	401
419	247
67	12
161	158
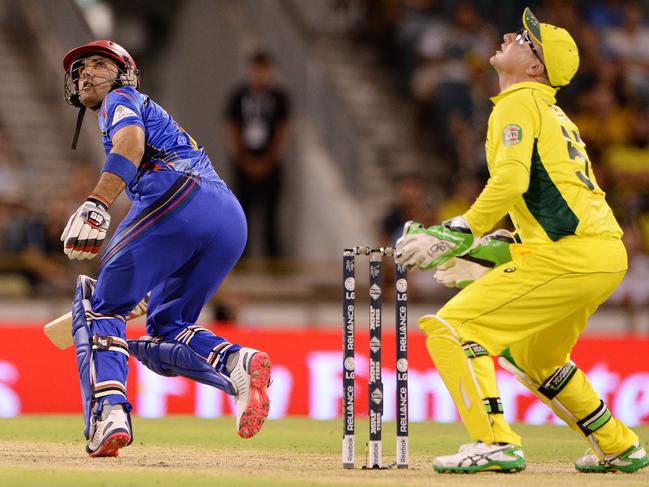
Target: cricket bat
59	331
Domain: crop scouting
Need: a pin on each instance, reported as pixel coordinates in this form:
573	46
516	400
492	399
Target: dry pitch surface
184	451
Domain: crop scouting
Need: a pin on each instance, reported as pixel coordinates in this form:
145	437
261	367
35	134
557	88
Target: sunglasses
523	37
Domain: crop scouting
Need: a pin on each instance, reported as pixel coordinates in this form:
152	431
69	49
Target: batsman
184	232
526	297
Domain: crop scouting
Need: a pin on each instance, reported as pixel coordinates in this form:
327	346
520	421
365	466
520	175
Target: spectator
10	176
628	162
27	245
411	203
441	84
602	14
630	42
633	290
601	119
465	191
257	125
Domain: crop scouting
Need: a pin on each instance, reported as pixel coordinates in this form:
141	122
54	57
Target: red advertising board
36	377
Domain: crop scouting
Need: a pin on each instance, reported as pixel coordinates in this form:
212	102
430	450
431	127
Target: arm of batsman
430	247
492	251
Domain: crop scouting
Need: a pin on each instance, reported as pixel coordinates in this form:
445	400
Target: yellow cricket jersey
539	172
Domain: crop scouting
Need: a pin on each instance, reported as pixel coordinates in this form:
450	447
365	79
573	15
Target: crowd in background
438	54
31	257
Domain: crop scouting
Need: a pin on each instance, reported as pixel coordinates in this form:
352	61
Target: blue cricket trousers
179	240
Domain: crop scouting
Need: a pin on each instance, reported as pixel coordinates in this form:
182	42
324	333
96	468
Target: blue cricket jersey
168	146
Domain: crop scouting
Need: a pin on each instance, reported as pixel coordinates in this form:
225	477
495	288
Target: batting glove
85	232
430	247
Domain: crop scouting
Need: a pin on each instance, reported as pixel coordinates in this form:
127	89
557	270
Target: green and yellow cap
560	53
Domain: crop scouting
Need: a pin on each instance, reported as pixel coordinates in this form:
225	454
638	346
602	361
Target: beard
89	97
94	93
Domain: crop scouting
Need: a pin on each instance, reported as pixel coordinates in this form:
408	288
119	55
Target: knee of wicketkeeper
429	324
483	374
567	392
476	403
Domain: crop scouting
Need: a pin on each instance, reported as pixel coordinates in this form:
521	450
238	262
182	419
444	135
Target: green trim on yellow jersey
545	202
540	172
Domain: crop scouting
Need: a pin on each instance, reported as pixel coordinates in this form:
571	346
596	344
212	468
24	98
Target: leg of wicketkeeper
485	372
445	349
469	374
565	388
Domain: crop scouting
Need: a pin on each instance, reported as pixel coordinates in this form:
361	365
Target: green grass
179	451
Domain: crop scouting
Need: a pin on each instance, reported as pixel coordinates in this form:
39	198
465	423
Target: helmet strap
77	129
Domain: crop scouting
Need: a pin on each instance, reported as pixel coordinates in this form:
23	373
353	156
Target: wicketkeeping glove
86	230
492	251
430	247
459	272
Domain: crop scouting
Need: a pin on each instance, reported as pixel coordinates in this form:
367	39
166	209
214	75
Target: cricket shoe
111	432
630	460
250	376
480	457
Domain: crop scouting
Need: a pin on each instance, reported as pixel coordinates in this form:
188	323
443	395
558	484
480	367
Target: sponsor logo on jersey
122	112
512	135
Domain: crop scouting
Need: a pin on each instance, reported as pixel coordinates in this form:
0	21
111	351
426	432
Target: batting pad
174	358
446	350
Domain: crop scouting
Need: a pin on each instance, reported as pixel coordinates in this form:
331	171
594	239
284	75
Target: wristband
93	198
121	166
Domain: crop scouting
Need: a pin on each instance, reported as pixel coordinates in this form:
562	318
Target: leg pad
454	367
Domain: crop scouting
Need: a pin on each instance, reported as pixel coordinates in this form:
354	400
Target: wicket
375	385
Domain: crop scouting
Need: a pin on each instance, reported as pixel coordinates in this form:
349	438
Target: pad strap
473	350
218	353
493	405
111	343
108	387
91	315
557	381
595	420
189	332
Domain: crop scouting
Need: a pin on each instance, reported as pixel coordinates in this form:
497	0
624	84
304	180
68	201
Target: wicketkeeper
184	231
526	301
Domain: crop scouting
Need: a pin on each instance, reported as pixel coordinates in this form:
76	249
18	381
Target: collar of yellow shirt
548	90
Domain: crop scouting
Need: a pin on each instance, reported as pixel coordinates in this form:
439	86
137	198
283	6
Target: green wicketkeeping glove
492	251
427	248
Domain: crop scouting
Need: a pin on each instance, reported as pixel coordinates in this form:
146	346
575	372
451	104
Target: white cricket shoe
110	433
250	376
480	457
632	459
